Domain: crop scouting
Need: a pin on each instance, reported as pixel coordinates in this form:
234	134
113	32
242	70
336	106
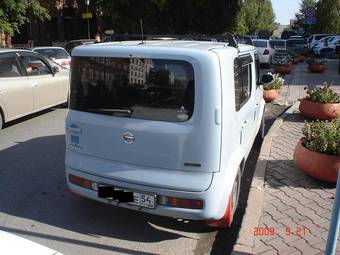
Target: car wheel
227	220
261	132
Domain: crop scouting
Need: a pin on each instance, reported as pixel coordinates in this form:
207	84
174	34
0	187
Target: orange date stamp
288	231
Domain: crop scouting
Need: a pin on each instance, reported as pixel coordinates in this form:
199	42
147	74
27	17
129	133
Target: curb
245	243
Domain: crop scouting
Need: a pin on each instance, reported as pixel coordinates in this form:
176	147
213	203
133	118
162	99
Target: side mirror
267	78
55	70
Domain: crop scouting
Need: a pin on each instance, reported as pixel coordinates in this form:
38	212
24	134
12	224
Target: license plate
144	200
123	196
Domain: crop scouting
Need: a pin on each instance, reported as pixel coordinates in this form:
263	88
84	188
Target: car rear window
53	53
274	44
296	42
261	44
143	88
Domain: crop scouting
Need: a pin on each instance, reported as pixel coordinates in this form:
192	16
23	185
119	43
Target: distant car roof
2	50
48	47
81	40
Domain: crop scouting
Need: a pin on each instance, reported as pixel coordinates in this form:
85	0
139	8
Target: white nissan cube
163	127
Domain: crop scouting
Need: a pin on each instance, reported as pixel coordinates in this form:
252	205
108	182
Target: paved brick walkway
297	208
301	78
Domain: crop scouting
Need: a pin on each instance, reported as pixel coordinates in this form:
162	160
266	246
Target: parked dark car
297	44
71	44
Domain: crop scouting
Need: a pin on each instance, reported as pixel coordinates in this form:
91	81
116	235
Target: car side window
9	66
35	66
243	80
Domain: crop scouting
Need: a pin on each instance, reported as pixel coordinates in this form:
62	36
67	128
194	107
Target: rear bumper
215	198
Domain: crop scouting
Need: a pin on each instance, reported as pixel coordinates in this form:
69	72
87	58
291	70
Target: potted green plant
295	57
282	65
321	103
318	152
301	58
271	88
316	65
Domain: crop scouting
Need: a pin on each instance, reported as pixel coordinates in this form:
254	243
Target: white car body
22	94
313	39
57	54
14	245
265	51
197	157
331	43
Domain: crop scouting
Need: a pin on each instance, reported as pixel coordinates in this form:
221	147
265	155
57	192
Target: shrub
323	136
323	94
276	83
317	61
283	61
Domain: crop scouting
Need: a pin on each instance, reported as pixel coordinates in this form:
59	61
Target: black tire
1	121
261	132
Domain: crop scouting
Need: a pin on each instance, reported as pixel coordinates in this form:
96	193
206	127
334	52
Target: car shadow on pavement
33	187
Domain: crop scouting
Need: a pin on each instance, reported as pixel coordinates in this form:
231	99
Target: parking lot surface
35	203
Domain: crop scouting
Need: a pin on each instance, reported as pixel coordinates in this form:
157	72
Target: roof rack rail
228	38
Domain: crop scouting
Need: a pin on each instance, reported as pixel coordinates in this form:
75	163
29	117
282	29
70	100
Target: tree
266	16
14	13
300	16
169	16
255	15
328	16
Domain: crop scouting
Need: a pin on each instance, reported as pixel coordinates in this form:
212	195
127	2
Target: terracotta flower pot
270	95
285	69
317	68
302	58
320	166
321	111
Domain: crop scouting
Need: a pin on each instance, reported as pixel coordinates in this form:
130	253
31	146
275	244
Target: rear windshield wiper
122	112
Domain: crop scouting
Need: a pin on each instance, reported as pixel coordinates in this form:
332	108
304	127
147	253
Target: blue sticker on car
74	139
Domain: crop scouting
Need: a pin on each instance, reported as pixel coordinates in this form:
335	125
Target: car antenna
141	28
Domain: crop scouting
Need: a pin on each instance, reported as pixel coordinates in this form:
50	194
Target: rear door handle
74	129
35	85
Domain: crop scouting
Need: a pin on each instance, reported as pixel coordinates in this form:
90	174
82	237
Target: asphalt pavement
35	203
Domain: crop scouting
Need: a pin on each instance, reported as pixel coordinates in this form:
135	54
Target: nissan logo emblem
128	138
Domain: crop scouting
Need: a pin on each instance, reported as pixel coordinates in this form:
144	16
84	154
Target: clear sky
285	10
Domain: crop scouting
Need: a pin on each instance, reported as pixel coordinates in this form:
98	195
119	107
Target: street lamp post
87	2
333	231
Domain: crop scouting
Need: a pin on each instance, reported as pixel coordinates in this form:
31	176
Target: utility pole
335	222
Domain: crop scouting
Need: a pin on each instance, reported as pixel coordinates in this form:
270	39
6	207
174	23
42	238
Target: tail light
266	52
65	63
84	183
181	202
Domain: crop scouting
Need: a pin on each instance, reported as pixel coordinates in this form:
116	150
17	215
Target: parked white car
163	127
313	39
331	43
29	83
265	51
57	54
278	44
15	245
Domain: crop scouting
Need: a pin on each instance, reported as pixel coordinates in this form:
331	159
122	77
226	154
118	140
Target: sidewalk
301	77
295	210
